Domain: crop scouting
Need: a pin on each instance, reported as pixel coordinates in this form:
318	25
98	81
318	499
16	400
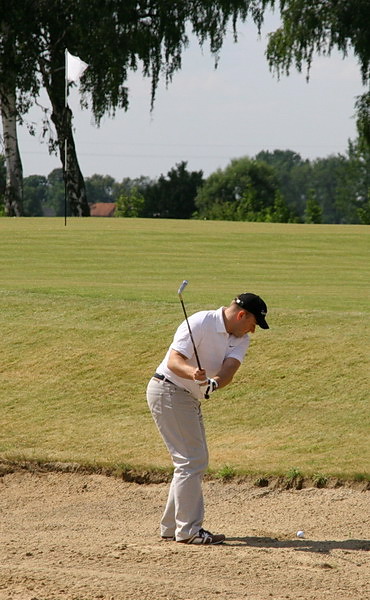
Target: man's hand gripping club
202	380
178	363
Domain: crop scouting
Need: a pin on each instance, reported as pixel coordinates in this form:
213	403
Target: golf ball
300	534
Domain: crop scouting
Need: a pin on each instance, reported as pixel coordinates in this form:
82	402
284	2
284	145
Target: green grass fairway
88	310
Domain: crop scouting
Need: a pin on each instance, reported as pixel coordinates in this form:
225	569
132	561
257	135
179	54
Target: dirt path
87	537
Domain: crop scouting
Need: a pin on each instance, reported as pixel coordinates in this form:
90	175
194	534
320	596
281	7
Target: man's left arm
225	375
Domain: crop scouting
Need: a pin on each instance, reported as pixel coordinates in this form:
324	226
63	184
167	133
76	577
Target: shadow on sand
303	545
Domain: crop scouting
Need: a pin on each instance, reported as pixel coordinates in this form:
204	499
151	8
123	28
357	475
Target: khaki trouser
179	420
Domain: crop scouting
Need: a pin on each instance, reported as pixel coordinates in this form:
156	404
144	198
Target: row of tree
115	37
276	186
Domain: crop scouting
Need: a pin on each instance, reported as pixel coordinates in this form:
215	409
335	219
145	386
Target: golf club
212	384
180	290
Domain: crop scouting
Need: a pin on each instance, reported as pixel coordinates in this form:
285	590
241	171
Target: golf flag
75	67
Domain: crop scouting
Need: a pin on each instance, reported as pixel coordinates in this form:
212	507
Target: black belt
162	378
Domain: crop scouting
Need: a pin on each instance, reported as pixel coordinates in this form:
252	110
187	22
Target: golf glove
212	385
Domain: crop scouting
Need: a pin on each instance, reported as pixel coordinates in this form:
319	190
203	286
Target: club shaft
190	333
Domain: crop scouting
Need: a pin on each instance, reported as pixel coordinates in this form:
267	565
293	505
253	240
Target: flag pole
65	137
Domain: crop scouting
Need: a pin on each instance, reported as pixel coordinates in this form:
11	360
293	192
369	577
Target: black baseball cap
255	305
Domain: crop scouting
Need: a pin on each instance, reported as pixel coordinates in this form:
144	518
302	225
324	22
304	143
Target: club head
182	287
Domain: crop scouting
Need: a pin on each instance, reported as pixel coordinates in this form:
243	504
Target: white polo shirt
213	345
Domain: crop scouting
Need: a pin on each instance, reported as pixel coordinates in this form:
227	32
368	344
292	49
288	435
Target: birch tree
18	87
13	195
115	37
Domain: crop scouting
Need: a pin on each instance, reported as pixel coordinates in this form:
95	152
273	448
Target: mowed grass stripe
87	312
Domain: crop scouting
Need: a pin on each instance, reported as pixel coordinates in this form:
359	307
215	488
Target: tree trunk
13	197
54	81
75	185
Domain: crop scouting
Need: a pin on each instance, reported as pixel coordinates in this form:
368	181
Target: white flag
75	67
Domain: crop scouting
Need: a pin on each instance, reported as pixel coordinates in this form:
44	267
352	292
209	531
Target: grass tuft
319	480
226	473
294	478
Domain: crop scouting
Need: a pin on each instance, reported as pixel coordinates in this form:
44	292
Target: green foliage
310	28
294	478
244	190
319	480
273	187
364	212
127	187
325	184
130	205
293	175
293	473
99	188
313	212
56	193
118	37
359	477
363	118
34	195
353	199
19	52
226	473
44	196
172	197
279	212
114	38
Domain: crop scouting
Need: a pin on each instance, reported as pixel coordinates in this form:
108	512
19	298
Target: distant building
102	209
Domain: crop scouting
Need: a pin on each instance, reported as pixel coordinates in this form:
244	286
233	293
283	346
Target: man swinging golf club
206	351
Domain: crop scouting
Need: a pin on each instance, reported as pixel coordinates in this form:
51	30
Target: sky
209	116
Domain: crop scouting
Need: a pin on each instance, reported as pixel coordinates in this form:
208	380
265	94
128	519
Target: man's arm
226	373
178	363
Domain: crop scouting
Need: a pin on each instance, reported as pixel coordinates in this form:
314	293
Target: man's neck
225	316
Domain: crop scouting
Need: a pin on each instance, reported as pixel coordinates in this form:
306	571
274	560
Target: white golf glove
212	385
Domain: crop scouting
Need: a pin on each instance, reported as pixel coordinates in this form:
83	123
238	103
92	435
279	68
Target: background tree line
116	37
278	186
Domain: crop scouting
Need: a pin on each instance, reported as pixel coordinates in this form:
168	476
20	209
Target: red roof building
102	209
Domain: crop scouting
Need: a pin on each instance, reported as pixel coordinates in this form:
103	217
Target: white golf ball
300	534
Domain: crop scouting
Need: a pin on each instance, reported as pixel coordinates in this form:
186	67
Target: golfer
174	394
